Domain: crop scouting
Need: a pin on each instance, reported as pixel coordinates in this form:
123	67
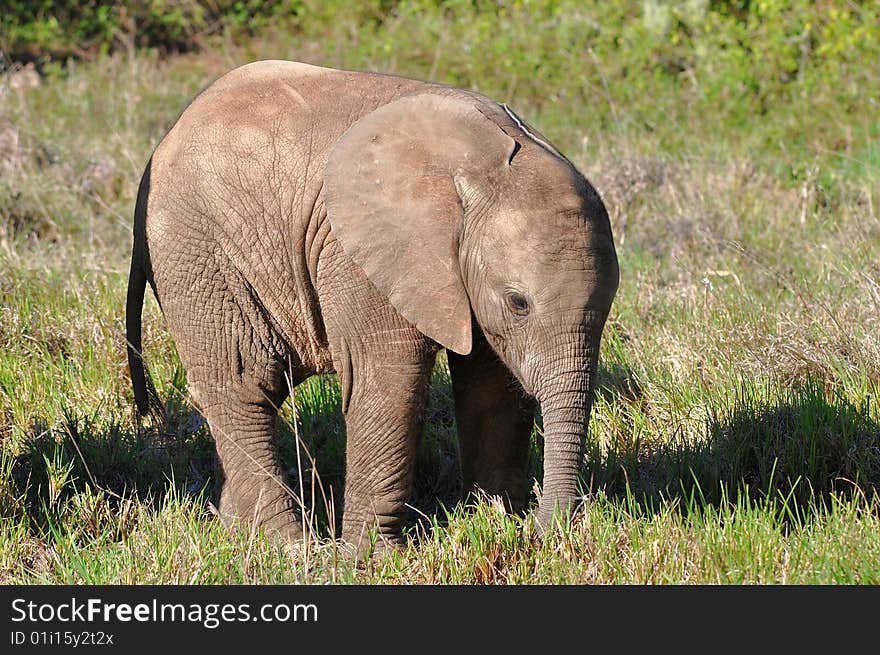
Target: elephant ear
391	192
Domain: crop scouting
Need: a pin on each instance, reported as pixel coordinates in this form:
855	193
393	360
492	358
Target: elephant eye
517	303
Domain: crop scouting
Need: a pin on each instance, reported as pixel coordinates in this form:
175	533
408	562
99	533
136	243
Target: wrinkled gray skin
300	220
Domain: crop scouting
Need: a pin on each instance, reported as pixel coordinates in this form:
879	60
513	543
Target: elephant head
463	216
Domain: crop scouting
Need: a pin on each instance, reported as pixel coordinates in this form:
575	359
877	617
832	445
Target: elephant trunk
566	398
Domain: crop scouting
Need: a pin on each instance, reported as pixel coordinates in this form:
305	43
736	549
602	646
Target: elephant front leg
384	394
494	420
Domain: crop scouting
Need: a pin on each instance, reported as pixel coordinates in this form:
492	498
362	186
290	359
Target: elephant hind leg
236	367
252	490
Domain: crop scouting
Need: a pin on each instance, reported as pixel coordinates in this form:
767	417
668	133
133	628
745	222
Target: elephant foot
365	543
286	533
277	521
375	552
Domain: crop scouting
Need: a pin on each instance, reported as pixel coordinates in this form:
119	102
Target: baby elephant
299	220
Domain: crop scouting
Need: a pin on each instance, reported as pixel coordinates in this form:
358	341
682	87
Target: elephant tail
137	283
145	396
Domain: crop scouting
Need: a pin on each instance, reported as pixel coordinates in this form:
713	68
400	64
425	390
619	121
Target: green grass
736	433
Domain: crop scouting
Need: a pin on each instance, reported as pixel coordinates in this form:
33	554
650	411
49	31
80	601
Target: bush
786	75
64	28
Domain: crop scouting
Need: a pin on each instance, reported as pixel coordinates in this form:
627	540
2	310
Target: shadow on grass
104	463
801	445
111	462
